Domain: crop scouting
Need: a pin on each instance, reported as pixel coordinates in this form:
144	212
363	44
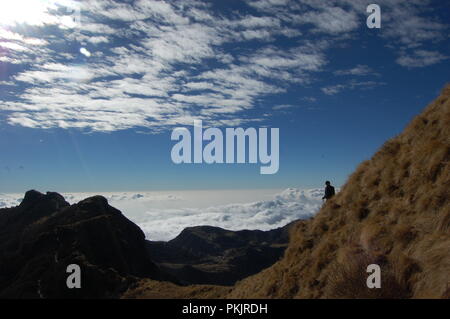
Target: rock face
44	234
212	255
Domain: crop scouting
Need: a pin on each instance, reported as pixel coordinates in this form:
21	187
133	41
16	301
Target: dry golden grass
394	209
347	279
150	289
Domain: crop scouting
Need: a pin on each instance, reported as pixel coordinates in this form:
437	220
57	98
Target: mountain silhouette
44	234
212	255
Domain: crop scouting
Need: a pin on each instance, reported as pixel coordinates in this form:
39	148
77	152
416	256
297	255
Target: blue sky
90	91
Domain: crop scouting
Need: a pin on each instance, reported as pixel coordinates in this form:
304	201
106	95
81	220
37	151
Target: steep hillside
393	211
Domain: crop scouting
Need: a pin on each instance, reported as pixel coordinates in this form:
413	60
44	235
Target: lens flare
36	12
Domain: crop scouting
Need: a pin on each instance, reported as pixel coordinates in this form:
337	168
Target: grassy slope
394	211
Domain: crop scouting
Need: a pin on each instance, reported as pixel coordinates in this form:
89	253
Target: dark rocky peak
51	200
31	198
209	239
36	205
97	203
45	234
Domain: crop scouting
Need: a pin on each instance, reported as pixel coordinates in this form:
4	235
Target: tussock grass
151	289
394	207
348	280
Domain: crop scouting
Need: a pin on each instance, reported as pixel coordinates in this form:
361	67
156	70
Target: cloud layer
162	216
104	65
285	207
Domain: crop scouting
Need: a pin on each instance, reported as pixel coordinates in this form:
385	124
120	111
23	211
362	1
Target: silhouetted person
329	191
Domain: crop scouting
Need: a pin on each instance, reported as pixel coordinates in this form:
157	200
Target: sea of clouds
163	215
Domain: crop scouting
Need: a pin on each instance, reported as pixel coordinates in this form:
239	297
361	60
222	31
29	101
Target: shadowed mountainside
393	211
44	234
212	255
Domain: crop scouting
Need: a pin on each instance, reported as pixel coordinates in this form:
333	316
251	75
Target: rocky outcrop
44	234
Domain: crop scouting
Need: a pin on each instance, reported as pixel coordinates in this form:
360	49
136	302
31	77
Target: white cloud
53	72
283	107
13	46
13	36
357	70
99	39
310	99
333	89
283	208
351	85
97	28
257	34
10	200
9	60
406	25
331	20
258	22
267	4
421	58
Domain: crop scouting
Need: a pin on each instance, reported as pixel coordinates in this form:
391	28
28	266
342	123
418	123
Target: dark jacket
329	192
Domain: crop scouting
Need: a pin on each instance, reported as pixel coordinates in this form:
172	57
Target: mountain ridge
213	255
